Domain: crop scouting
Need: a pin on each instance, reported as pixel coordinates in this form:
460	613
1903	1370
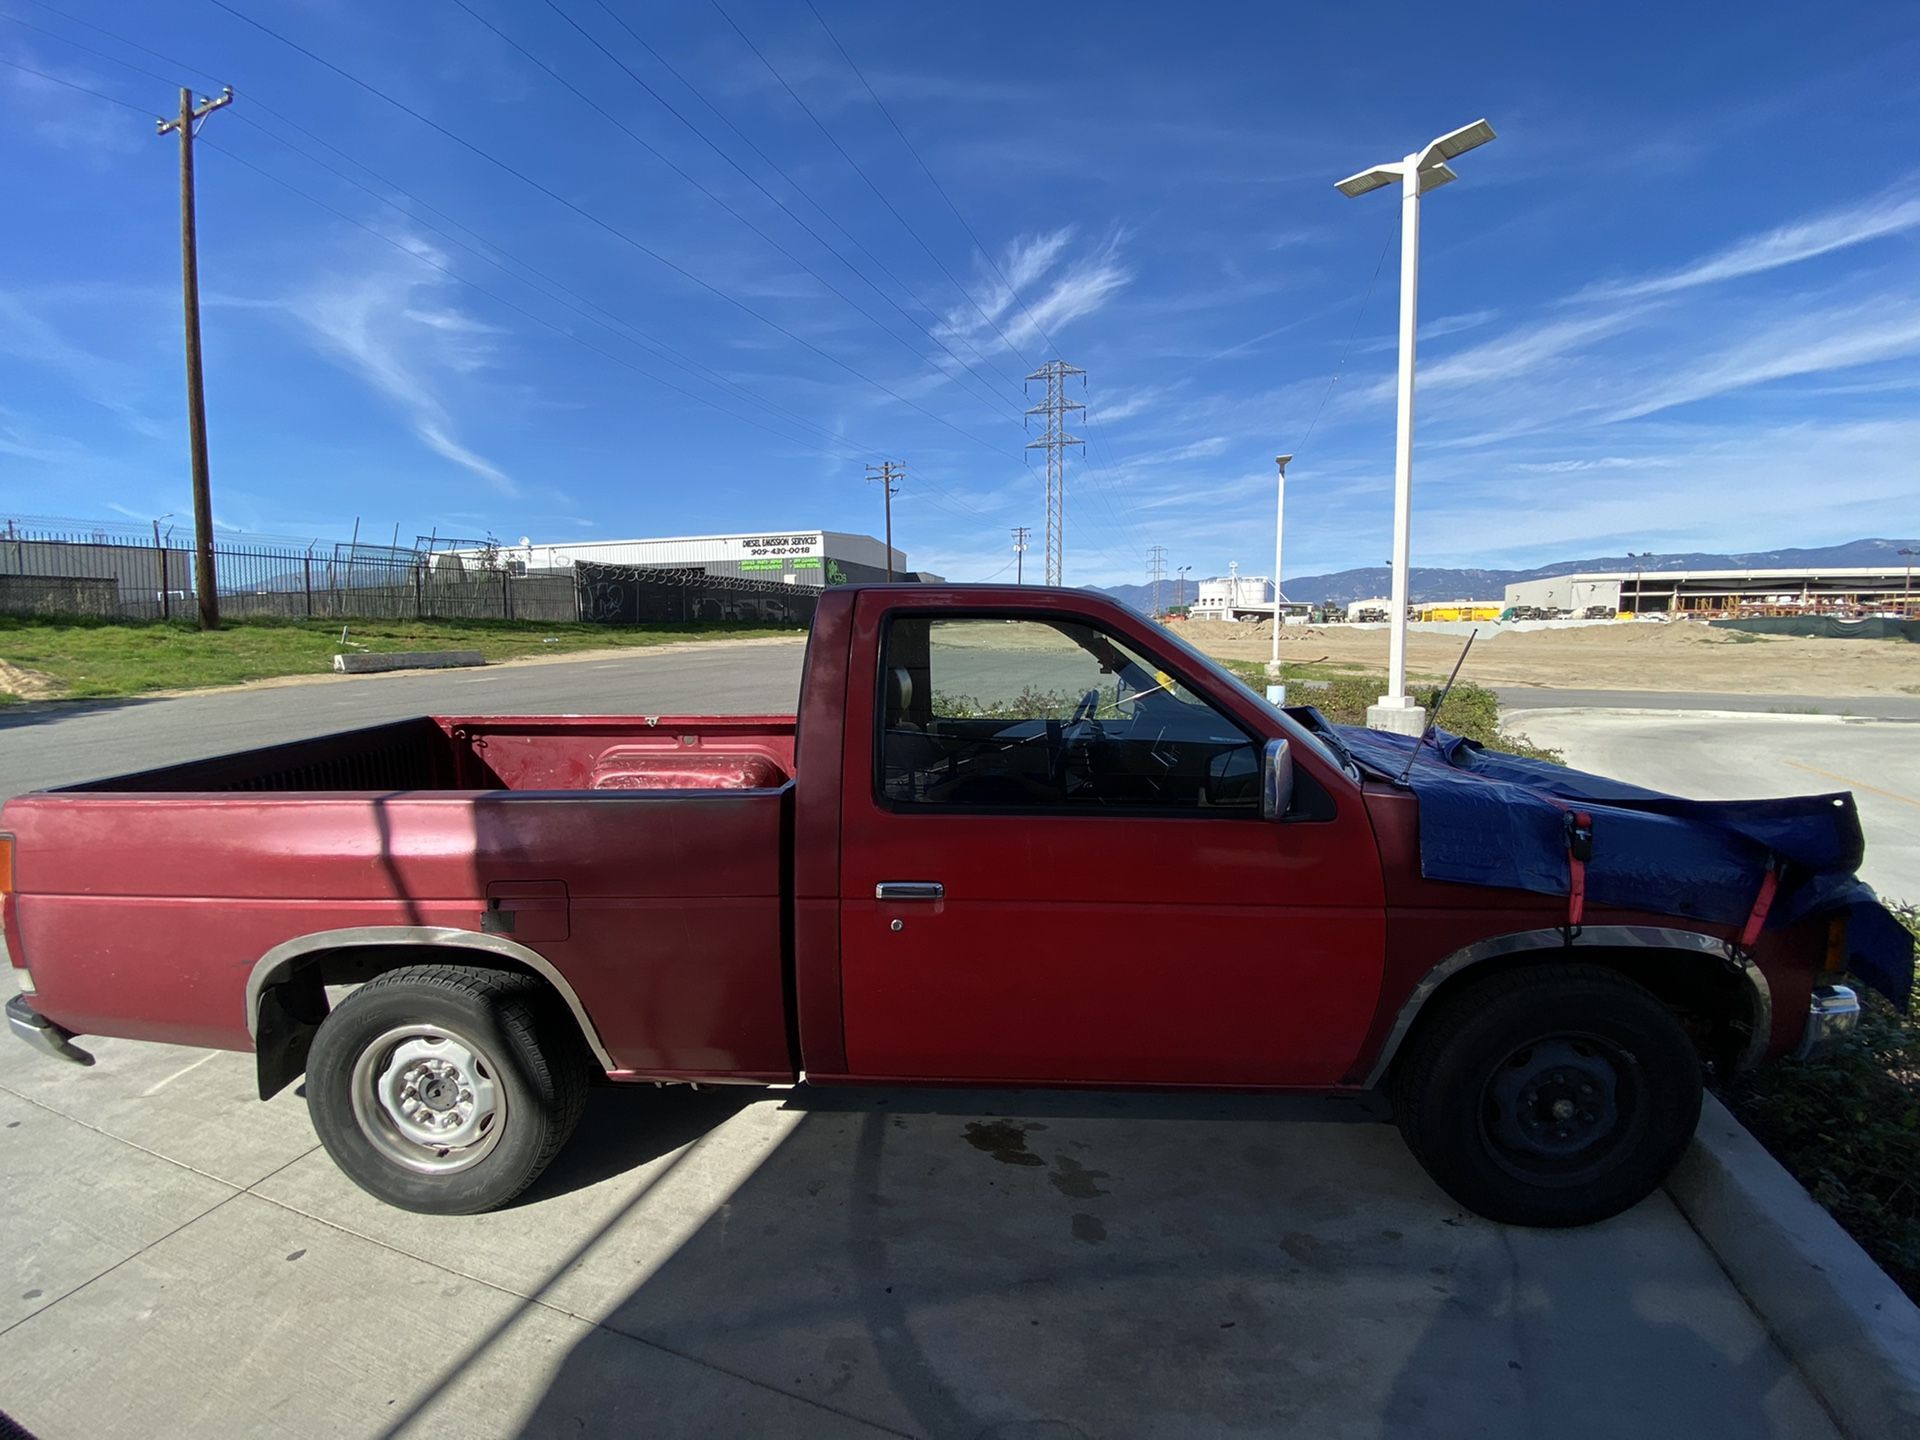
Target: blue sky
1674	306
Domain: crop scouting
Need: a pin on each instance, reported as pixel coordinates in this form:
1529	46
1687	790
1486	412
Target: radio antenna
1438	703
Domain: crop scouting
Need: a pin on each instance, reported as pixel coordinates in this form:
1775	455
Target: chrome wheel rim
429	1099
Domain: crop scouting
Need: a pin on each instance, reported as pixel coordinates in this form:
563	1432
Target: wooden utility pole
886	472
204	588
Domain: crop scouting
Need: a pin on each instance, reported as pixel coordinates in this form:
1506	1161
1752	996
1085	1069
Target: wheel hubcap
1554	1109
428	1098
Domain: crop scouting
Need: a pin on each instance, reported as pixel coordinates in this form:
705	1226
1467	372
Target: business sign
757	546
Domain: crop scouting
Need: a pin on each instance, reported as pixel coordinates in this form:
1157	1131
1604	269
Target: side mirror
1276	780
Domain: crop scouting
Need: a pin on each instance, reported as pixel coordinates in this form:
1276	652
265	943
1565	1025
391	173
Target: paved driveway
185	1261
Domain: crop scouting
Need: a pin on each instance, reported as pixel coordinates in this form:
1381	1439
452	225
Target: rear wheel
1553	1096
444	1089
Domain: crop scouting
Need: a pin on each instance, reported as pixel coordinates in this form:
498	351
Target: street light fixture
1279	524
1423	170
1181	603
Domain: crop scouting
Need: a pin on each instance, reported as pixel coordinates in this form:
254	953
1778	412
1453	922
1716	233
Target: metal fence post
166	600
306	571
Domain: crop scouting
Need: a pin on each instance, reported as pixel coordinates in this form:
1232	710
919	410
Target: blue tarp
1493	819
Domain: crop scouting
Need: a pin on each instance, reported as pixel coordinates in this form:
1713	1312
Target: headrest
899	692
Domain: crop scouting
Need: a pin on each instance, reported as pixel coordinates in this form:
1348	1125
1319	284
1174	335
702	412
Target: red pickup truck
1014	837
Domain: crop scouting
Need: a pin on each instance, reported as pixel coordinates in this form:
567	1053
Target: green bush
1471	710
1848	1126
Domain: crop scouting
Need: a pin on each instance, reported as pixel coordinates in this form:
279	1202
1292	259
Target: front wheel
1552	1097
444	1089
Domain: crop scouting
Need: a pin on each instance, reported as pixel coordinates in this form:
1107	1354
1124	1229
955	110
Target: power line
83	89
677	169
754	181
588	309
623	236
619	327
1020	534
797	187
978	244
858	170
518	309
986	254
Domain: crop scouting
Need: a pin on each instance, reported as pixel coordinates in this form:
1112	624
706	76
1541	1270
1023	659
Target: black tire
1552	1096
377	1078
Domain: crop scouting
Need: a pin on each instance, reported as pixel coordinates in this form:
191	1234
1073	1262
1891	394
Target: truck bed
641	858
526	752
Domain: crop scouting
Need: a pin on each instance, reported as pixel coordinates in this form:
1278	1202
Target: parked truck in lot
1013	837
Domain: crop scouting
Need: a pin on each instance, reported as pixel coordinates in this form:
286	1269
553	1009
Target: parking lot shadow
1025	1265
624	1127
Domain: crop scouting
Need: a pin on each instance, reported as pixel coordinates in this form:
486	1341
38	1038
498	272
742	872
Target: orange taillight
6	864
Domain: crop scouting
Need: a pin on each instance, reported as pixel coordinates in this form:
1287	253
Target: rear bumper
42	1033
1831	1017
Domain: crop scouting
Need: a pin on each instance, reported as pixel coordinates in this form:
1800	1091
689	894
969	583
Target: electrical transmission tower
887	472
1156	573
1020	534
1055	440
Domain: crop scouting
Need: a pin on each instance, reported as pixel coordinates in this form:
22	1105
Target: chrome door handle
909	890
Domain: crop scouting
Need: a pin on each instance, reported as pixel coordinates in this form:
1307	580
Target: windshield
1327	747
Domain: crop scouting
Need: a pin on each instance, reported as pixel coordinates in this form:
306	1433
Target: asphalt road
1720	755
186	1261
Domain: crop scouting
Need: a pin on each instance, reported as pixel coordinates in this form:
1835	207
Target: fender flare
1590	937
280	961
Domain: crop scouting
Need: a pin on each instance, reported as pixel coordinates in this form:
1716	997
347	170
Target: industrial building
809	558
1847	590
1234	596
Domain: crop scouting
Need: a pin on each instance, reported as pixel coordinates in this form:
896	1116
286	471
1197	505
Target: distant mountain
1433	584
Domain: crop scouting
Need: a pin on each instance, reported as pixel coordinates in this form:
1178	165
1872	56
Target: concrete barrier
367	662
1835	1313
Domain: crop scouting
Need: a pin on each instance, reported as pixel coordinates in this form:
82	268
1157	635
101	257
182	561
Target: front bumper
42	1033
1831	1017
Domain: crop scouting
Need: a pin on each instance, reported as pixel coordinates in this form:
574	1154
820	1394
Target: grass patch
7	697
1471	710
89	659
1848	1127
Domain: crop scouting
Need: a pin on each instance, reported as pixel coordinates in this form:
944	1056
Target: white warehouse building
812	558
1234	597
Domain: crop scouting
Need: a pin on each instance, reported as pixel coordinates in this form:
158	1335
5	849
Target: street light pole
1423	170
1907	552
1279	526
1181	603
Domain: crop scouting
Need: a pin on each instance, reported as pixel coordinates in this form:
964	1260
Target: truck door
1054	867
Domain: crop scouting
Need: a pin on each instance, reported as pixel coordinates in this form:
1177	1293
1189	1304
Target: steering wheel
1082	719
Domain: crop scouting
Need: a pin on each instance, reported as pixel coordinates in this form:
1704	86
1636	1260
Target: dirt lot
1622	656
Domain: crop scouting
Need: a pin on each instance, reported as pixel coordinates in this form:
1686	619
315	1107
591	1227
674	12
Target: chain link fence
124	573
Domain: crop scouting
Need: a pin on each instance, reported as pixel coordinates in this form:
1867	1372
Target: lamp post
1180	604
1279	525
1907	552
1423	170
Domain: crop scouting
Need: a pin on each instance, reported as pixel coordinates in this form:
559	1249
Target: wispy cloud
1889	213
1047	294
1804	344
397	330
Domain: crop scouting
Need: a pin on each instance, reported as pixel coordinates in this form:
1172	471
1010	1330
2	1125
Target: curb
1836	1314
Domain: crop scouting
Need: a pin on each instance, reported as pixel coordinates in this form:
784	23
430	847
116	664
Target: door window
981	712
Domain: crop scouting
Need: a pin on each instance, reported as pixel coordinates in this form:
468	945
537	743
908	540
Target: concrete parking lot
188	1262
